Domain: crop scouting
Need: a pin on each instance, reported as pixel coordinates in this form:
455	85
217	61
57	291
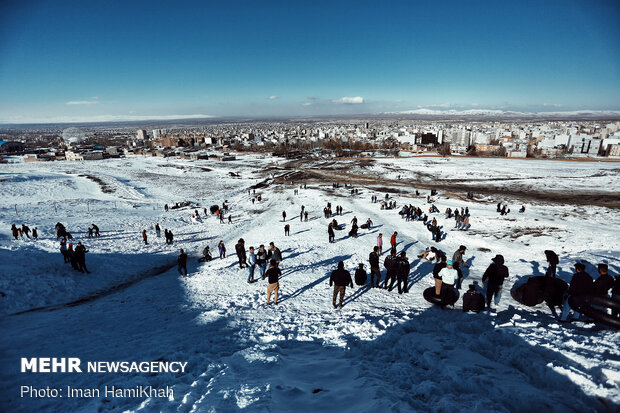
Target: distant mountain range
493	113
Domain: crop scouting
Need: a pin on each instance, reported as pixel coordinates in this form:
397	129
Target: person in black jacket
580	284
330	233
373	258
495	275
261	260
553	260
360	275
340	278
182	262
402	272
390	265
273	276
615	293
80	257
436	270
603	283
240	249
473	300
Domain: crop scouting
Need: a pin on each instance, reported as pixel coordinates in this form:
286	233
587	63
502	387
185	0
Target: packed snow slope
381	352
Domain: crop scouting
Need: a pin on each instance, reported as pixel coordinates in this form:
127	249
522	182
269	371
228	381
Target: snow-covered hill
382	351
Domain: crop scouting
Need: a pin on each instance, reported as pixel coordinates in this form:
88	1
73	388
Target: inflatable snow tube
364	226
584	304
538	289
443	299
214	208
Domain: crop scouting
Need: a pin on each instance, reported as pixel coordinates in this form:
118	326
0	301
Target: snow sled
585	305
214	208
364	226
444	299
538	289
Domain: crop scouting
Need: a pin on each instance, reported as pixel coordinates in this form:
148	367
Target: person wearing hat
448	276
458	262
391	264
240	249
473	300
495	275
580	284
273	276
340	279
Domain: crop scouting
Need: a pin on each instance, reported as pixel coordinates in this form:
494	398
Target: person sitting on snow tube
473	300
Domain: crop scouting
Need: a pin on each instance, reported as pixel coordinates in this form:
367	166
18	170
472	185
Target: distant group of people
76	257
24	230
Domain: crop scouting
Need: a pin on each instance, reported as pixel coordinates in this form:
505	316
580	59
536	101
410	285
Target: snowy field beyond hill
381	352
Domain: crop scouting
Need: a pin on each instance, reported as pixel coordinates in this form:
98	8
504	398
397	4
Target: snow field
381	351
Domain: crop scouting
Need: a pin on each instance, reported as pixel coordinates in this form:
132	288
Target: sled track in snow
100	294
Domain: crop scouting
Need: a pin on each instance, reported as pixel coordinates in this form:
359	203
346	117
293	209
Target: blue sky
83	60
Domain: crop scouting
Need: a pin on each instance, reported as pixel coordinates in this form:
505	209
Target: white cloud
273	97
82	102
349	100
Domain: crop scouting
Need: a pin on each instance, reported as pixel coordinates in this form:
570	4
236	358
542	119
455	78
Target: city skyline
71	61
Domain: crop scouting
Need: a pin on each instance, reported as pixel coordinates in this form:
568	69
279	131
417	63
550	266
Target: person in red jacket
144	237
393	240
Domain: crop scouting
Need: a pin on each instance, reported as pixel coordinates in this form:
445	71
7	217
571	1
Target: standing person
373	259
63	250
90	232
251	265
273	276
171	236
261	260
390	265
167	236
495	274
26	230
182	262
35	234
306	216
96	229
287	230
403	273
158	230
580	284
283	216
437	273
369	223
144	237
222	249
448	277
14	231
72	257
340	278
393	240
553	260
360	275
301	215
615	294
330	233
240	250
458	262
166	207
274	253
80	257
221	215
603	283
380	243
230	218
